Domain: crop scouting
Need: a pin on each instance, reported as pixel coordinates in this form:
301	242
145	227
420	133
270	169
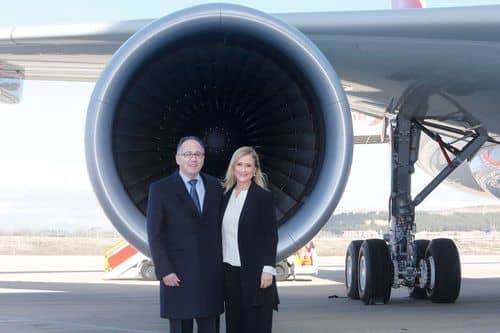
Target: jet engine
232	76
485	168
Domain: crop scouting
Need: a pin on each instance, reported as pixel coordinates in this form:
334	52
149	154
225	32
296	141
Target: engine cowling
232	76
480	176
485	168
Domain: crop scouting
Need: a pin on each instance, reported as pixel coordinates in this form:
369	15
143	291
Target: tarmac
68	294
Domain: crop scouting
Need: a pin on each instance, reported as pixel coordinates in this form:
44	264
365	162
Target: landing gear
351	269
428	269
375	272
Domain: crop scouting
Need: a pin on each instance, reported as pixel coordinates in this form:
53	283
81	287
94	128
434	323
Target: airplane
286	84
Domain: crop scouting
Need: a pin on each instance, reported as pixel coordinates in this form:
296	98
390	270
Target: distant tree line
426	221
337	224
93	232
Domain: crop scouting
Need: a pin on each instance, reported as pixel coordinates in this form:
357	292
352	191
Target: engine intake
232	76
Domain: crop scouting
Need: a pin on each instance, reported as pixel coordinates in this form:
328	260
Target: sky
43	175
15	13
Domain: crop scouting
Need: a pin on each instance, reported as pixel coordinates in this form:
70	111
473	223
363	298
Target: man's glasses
189	154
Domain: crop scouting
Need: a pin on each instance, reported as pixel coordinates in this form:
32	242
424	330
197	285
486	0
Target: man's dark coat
186	243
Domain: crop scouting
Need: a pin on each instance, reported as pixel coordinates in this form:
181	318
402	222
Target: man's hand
171	280
265	280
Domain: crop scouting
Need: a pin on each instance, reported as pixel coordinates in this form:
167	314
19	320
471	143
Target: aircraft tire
444	262
374	272
282	271
420	248
147	270
351	269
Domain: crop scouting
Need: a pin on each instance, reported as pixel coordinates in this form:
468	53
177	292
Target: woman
249	241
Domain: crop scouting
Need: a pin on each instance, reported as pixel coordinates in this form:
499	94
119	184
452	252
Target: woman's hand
265	280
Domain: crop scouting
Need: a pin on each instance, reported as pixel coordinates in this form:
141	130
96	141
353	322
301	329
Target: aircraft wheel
282	271
148	271
351	269
443	263
374	272
418	290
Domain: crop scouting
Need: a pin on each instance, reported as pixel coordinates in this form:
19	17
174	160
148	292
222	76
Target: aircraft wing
76	52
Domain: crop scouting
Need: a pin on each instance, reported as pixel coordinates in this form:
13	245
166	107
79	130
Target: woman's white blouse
230	221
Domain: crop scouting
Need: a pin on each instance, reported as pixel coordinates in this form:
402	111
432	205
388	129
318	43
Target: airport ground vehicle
304	261
124	261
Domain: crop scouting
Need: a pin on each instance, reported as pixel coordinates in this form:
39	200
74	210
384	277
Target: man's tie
194	194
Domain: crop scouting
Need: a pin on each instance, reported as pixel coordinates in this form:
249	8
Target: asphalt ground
68	294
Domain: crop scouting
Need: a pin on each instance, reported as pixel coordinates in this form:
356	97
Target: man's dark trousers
205	325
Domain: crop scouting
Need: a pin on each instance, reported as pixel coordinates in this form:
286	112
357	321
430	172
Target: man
184	238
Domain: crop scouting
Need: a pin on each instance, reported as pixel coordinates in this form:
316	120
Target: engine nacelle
485	168
232	76
480	176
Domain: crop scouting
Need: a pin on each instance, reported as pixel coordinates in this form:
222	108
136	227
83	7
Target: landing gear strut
429	269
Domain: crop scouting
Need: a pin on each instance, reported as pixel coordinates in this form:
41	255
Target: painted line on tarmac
27	291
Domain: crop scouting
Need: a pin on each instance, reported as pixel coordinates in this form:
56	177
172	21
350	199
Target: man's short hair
190	137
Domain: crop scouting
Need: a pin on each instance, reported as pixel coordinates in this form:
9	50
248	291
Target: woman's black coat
257	243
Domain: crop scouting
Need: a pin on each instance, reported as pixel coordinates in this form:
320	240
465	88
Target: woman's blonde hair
230	179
